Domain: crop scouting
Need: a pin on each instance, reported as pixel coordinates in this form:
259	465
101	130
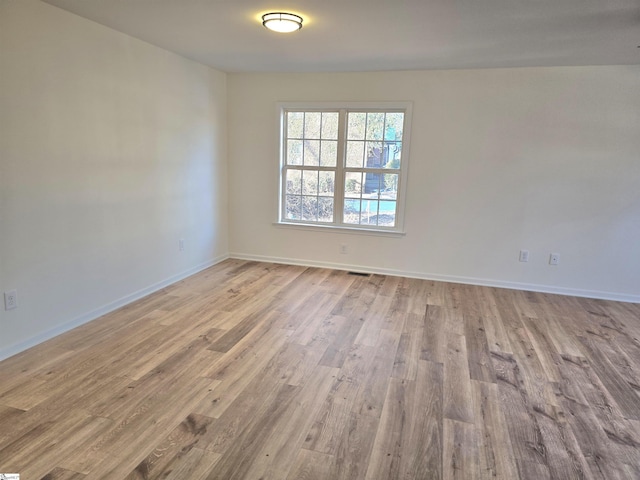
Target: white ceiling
367	35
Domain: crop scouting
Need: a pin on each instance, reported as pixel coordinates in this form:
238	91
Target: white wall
544	159
110	151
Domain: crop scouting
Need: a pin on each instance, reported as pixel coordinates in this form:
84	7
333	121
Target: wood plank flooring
259	371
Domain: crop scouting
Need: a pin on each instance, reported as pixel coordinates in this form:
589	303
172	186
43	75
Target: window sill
340	229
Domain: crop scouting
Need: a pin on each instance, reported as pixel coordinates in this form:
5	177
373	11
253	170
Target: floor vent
360	274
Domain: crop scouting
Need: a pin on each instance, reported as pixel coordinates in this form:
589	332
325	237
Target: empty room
363	240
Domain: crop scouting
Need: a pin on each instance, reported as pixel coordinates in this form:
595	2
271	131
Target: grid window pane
375	126
312	125
371	187
310	182
351	211
325	209
326	184
294	182
310	208
369	212
387	213
391	155
356	124
312	152
374	155
355	154
353	185
293	207
390	186
394	125
294	152
295	124
330	125
328	153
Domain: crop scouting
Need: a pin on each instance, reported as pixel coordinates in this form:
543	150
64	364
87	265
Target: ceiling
373	35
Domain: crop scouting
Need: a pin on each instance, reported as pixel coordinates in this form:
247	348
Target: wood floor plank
544	347
354	448
625	395
371	395
524	431
479	357
405	364
277	456
196	464
497	337
9	417
377	315
270	452
594	444
327	430
238	368
26	365
180	441
311	465
309	317
558	331
460	451
339	348
251	370
536	385
256	403
139	432
564	458
433	341
410	296
61	447
292	296
457	380
438	322
15	455
79	396
62	474
249	321
495	456
412	415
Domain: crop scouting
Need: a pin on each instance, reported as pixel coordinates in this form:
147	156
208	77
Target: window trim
398	229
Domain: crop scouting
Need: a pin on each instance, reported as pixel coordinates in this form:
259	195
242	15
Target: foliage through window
343	167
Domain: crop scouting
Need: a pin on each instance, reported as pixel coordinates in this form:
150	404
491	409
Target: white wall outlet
554	259
344	249
10	299
524	255
181	244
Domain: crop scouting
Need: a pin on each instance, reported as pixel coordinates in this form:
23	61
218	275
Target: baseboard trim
98	312
531	287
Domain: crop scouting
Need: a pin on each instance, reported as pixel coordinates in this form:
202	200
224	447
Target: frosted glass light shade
282	22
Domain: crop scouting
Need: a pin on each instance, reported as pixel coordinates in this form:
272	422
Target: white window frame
405	107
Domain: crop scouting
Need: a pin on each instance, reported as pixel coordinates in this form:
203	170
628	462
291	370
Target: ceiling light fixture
282	22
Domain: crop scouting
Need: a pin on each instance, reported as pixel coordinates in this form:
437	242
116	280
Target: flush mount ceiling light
282	22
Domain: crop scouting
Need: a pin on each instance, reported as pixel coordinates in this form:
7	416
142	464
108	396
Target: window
343	167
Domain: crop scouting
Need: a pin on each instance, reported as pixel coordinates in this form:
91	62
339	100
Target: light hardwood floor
259	371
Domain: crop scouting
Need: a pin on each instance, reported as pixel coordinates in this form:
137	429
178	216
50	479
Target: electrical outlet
343	249
524	255
554	259
181	244
10	299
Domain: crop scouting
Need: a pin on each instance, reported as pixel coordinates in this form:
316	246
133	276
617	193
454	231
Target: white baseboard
98	312
531	287
89	316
